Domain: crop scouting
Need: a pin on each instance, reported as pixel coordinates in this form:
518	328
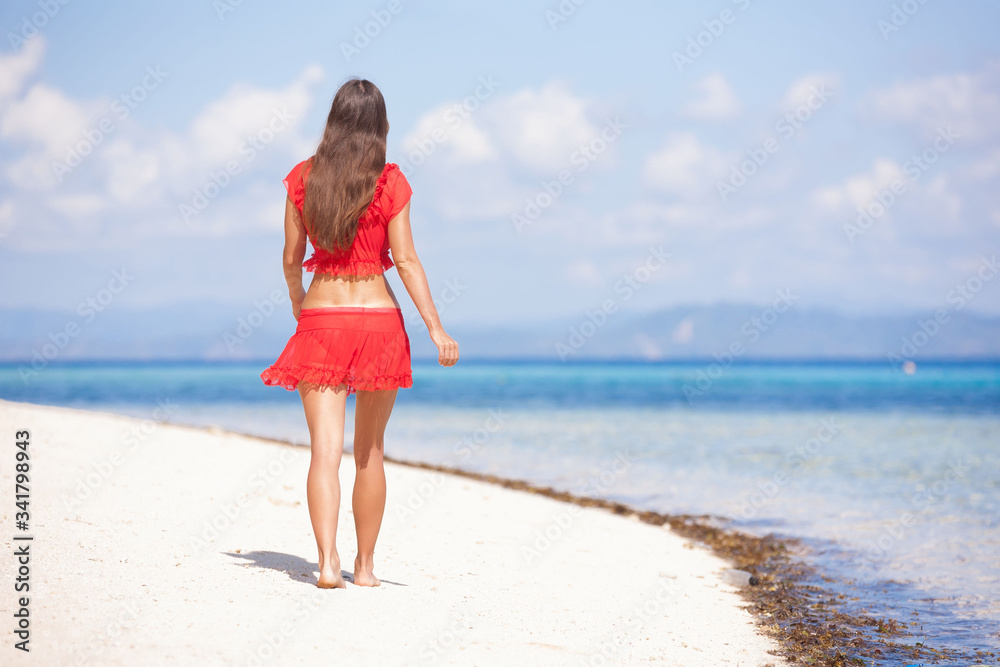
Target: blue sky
200	82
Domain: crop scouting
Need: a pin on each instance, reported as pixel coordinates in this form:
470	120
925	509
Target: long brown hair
347	164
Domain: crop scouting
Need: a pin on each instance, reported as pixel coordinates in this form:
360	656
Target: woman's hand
447	348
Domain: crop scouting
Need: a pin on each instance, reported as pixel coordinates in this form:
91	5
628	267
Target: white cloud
967	101
718	101
6	218
15	69
584	272
684	166
740	280
542	128
131	171
810	90
77	206
536	130
471	144
133	178
648	347
482	161
49	123
942	207
441	131
244	110
929	207
675	214
684	332
859	190
45	116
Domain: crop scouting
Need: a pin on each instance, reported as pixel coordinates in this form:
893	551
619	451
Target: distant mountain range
213	331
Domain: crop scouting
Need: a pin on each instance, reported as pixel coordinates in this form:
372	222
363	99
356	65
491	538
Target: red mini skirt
366	349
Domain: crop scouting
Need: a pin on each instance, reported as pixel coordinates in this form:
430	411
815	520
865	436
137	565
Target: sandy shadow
297	568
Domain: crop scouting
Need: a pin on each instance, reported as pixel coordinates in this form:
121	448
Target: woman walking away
350	339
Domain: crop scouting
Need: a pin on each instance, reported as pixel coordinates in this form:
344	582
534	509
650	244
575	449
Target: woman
354	209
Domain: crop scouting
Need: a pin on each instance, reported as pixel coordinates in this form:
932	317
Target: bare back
326	290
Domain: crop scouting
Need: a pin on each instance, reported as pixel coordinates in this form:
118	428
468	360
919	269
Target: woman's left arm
295	251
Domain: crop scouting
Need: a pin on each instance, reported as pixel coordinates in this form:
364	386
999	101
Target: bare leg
371	414
324	408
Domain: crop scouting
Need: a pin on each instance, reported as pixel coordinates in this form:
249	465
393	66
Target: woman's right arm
293	254
411	272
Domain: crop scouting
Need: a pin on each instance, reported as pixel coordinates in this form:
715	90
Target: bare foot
364	576
331	578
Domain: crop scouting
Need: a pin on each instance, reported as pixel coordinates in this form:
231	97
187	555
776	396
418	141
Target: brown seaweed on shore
800	614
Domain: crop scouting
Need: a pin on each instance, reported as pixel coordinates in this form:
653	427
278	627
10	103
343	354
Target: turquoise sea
890	479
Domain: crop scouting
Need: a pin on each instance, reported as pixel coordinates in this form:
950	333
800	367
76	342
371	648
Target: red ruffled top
369	254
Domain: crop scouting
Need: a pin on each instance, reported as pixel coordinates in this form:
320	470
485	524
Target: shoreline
788	599
785	599
788	609
155	542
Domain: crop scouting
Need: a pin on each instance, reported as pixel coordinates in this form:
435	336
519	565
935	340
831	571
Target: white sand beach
159	544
